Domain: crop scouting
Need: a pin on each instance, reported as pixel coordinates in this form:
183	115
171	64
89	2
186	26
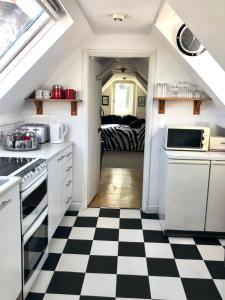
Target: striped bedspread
123	138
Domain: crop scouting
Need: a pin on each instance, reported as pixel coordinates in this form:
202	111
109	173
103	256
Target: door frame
151	54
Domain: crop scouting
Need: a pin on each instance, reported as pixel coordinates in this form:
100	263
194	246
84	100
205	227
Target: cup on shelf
70	94
47	94
38	94
57	92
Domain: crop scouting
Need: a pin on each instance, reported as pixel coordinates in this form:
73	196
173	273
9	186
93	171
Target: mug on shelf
39	94
47	94
70	94
57	92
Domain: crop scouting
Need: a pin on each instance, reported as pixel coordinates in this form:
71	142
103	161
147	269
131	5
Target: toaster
41	131
217	143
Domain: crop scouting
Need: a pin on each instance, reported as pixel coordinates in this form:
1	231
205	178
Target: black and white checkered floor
122	254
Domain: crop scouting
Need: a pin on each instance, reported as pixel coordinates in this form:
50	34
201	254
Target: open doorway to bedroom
123	115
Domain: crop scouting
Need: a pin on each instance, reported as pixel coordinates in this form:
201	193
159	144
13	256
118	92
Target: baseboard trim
151	209
75	206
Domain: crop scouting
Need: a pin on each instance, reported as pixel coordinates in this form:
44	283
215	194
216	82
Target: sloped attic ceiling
34	69
206	19
204	66
137	67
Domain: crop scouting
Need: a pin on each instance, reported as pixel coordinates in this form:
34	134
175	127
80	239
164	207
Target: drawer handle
5	203
68	201
69	168
68	154
69	182
59	159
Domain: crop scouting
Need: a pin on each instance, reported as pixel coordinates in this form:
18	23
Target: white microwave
192	138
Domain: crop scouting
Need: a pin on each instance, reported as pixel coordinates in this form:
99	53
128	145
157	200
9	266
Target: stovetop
9	165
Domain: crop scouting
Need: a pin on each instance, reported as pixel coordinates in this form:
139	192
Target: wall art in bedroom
141	101
105	100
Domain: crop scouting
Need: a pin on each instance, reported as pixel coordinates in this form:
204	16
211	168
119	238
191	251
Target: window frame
27	40
132	104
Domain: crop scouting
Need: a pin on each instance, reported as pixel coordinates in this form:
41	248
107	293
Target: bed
119	137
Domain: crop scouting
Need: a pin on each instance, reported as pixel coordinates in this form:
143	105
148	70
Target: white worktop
47	151
209	155
11	181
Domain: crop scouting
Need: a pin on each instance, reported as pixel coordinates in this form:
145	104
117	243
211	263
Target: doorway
119	180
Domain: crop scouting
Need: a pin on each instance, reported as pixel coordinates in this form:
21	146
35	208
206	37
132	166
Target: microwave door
184	138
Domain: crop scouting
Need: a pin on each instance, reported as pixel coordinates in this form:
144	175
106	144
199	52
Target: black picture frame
141	101
105	100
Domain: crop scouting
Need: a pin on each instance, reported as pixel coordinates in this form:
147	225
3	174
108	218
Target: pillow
137	123
126	120
111	119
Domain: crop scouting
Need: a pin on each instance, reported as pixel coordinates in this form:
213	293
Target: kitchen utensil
70	94
57	92
57	132
39	94
41	131
47	94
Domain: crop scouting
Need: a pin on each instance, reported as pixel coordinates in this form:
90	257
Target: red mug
57	92
70	94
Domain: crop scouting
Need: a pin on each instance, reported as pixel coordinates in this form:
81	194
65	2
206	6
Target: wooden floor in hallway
119	188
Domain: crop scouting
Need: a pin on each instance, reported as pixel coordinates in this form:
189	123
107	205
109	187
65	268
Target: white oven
35	251
192	138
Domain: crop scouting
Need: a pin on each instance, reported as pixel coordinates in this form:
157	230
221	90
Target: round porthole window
188	43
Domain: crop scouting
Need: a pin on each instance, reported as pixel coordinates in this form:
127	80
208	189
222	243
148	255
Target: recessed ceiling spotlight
118	17
124	78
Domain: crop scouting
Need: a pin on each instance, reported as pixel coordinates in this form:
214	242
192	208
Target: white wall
169	67
206	20
63	65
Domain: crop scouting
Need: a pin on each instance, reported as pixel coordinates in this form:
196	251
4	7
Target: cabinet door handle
69	168
68	154
69	182
5	203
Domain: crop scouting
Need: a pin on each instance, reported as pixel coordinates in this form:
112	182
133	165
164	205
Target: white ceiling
141	15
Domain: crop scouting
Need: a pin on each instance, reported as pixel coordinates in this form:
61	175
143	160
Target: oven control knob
25	177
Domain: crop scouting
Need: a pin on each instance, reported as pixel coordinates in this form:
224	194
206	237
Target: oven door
185	139
35	243
34	201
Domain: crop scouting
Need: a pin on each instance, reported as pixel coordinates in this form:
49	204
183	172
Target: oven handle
34	226
29	190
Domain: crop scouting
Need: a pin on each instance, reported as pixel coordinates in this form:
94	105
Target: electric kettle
57	132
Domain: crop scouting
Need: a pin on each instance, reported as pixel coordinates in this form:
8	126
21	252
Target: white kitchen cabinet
10	245
215	217
183	194
59	167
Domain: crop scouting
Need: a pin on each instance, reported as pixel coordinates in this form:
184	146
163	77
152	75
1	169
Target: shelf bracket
39	107
196	107
161	109
73	108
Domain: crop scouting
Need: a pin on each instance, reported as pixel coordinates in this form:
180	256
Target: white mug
39	94
47	94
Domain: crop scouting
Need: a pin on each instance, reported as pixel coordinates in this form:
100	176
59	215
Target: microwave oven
192	138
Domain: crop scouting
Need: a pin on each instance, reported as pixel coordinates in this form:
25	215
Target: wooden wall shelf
196	103
39	104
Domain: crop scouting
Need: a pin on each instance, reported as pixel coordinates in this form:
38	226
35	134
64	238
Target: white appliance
183	193
191	138
57	132
217	143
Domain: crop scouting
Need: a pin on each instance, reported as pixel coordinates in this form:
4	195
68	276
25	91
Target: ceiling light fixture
118	17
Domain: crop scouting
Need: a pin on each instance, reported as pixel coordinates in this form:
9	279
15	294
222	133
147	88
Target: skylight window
20	21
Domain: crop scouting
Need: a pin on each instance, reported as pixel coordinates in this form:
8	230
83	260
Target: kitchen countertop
47	151
10	182
209	155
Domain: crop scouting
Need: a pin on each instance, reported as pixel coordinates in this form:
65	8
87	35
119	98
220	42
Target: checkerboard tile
110	254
